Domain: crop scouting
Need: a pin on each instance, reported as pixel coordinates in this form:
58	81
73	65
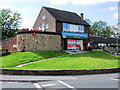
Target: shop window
74	44
95	44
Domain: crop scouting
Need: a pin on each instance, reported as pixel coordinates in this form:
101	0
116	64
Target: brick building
10	44
74	29
54	30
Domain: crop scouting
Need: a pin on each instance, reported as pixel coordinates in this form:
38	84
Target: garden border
58	72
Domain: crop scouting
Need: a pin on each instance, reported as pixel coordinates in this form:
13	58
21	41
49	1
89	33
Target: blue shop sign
74	35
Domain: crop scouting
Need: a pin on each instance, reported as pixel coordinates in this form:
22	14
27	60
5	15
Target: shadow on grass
49	54
5	54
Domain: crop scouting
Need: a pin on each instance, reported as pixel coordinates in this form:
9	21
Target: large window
73	28
74	44
66	26
81	28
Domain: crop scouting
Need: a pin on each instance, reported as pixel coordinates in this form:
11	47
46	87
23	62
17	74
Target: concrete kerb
58	72
32	81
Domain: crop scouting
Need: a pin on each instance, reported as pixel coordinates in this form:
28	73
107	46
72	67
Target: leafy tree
9	23
101	29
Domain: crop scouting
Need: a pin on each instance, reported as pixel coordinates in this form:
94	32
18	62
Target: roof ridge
60	10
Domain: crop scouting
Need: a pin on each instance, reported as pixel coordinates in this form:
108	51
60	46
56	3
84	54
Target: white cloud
109	9
61	2
112	8
115	16
82	2
24	1
26	22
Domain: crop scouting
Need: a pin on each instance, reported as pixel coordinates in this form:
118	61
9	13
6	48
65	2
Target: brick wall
40	41
49	19
8	44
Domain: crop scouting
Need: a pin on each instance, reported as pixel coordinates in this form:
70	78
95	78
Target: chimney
82	17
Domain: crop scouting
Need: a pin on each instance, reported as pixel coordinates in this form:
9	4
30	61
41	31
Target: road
60	82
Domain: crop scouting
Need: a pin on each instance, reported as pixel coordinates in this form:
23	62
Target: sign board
66	34
15	46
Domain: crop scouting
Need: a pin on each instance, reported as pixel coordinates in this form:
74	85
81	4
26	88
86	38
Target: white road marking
69	86
48	85
12	82
37	85
114	79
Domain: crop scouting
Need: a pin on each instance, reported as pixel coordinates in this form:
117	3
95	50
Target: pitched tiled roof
104	40
66	16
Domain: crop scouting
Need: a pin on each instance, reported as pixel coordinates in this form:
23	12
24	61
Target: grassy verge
17	58
90	60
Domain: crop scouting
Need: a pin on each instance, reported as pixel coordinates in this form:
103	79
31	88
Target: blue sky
95	10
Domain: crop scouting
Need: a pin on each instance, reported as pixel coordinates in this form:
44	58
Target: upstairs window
73	27
46	26
43	17
43	27
81	28
66	26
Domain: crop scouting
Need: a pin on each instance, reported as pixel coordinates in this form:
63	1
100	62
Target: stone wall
29	42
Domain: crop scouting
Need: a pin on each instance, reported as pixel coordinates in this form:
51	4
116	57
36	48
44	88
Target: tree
9	23
101	29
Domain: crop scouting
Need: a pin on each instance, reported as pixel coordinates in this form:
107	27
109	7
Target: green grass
91	60
17	58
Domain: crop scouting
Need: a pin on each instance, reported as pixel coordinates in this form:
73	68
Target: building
74	29
53	30
97	42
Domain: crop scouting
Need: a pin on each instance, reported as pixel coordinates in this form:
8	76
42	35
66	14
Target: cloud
109	9
62	2
112	8
26	22
115	16
7	1
82	2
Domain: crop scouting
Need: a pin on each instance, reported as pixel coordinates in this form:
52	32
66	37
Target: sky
95	10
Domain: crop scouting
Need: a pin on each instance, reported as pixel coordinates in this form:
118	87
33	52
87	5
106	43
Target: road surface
60	82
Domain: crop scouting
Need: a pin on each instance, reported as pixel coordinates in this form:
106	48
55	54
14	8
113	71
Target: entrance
74	44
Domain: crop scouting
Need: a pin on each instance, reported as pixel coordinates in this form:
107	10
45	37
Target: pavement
74	52
60	82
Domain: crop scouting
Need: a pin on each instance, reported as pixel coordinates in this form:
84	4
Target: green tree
101	29
9	23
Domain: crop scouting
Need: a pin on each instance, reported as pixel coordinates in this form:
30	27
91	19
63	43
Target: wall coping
58	72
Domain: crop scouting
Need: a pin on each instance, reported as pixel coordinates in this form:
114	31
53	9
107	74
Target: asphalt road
60	82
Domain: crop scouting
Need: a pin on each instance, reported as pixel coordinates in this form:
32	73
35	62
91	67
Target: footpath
70	53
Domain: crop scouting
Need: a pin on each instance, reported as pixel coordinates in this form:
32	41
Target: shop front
73	40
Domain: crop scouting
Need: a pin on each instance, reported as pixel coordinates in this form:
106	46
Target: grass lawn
17	58
90	60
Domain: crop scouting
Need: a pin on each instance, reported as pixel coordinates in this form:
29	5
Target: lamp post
117	43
